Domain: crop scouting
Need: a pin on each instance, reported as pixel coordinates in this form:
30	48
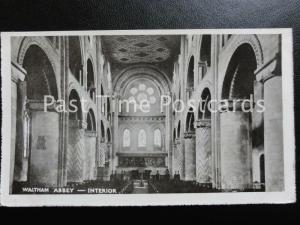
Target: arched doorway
236	119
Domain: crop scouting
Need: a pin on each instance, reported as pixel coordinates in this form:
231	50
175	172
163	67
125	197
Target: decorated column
76	148
190	156
203	151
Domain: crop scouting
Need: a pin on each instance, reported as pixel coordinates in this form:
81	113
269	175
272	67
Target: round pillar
190	156
203	151
270	76
235	150
75	155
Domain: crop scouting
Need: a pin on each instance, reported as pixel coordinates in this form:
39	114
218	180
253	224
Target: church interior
164	150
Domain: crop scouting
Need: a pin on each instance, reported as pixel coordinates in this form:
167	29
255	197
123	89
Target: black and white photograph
182	116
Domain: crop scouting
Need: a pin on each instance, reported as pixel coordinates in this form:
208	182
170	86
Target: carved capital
18	73
189	134
269	70
203	123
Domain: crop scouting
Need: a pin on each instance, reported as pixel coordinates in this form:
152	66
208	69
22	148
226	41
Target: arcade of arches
230	150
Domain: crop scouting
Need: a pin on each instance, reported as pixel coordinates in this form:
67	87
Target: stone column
203	151
90	153
235	149
76	148
180	158
108	159
18	101
190	156
101	160
44	144
174	159
270	76
115	131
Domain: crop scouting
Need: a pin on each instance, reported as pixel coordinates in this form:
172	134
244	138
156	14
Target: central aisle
138	189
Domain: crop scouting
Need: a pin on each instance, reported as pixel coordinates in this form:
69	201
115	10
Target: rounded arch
91	88
91	121
204	111
40	76
240	73
75	109
190	73
133	72
102	130
75	57
190	120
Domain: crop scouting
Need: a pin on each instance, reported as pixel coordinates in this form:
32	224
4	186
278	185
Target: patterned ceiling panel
140	48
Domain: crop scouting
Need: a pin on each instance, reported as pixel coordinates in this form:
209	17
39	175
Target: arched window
142	138
157	138
126	138
90	79
102	131
91	124
190	78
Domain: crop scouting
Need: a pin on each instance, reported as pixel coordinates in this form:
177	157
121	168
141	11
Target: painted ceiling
130	49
